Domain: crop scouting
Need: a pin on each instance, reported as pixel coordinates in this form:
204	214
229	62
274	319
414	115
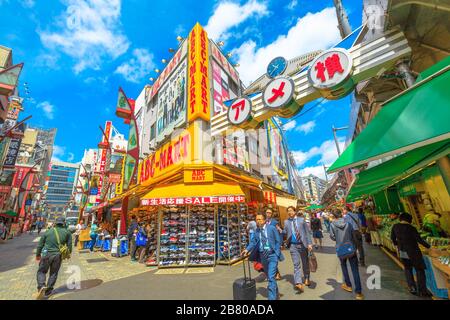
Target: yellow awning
181	193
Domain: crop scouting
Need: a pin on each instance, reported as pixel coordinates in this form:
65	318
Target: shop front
414	128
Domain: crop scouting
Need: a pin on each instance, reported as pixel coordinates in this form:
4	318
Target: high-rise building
314	187
60	187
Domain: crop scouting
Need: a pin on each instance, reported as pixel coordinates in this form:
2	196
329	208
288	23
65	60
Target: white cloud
292	5
59	154
306	127
326	154
314	31
48	109
89	31
46	60
70	157
289	125
229	14
317	171
138	67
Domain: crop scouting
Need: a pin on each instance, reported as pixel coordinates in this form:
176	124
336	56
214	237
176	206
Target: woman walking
316	227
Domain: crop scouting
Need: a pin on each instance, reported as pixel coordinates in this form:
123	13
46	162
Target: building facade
314	188
60	186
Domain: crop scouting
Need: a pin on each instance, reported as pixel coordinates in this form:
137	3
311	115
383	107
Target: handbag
312	262
345	250
141	239
63	249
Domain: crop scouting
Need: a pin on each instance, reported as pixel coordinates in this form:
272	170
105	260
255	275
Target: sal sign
331	73
192	200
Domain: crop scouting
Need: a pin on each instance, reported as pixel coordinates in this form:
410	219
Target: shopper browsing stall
407	240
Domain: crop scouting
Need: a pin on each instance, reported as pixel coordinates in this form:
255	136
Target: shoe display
173	238
201	221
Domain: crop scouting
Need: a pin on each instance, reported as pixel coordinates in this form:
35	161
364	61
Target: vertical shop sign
119	189
13	151
103	162
198	82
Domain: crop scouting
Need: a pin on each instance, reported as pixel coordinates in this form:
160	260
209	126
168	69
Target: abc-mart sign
330	73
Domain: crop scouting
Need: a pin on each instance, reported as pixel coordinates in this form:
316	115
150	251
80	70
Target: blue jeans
93	241
327	225
270	265
355	271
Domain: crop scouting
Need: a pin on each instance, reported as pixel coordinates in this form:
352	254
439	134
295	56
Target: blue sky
78	52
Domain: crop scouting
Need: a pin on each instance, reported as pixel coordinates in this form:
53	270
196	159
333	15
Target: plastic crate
106	245
431	281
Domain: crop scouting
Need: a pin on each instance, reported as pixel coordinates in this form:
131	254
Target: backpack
141	239
345	250
63	249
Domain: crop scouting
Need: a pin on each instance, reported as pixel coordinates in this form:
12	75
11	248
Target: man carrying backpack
342	232
54	246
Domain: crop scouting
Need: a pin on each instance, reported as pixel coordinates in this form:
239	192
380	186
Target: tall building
314	187
61	185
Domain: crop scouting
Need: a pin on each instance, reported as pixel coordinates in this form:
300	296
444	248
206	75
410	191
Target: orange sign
198	175
175	152
198	82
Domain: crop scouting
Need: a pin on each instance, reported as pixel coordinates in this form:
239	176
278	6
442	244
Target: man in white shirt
80	226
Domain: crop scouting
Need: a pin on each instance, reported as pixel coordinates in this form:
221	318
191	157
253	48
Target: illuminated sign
192	200
168	156
198	175
331	73
198	82
240	111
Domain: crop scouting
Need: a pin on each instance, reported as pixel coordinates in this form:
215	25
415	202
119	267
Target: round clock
276	67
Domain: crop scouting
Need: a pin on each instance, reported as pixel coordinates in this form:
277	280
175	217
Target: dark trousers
52	262
358	239
75	241
39	230
421	285
133	249
270	264
93	241
355	271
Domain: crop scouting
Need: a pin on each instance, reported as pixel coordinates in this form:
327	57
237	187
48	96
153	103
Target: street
105	277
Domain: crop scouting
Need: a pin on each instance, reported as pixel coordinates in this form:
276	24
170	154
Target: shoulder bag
63	248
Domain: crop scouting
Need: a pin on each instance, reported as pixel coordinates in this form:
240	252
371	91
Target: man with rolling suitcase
266	247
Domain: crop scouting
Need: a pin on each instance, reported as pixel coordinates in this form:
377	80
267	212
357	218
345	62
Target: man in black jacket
49	256
406	238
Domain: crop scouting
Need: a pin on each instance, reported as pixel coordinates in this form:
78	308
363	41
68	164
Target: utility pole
343	24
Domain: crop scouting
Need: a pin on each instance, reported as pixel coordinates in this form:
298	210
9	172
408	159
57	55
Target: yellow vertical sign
119	188
198	81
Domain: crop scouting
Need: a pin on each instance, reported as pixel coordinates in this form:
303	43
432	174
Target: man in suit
266	247
300	244
274	222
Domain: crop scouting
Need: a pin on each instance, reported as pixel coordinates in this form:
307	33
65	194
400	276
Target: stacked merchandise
172	251
229	233
152	240
243	225
201	235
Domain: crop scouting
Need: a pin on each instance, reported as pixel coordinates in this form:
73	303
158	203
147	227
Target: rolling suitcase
245	288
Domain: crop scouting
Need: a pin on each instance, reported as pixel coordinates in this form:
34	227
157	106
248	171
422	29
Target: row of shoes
170	262
173	241
173	248
201	261
201	247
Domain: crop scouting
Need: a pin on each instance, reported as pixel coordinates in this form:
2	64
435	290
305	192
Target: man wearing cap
354	220
49	256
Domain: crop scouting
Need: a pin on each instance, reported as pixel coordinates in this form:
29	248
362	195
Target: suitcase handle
249	270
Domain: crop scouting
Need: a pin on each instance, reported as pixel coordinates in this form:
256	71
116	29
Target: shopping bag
312	262
258	266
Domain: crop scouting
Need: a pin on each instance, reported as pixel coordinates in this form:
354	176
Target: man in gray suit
300	244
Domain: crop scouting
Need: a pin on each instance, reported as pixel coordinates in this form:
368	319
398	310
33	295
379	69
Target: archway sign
332	75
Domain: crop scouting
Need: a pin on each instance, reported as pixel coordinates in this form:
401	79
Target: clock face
276	67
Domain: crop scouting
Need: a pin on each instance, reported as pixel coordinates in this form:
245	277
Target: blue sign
28	202
93	191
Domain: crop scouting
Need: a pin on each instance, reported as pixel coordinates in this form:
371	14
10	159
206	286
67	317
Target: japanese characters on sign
172	153
279	93
215	52
103	161
331	72
198	82
13	151
240	111
192	200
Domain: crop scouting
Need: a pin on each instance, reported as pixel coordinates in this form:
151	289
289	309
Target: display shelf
173	237
150	216
229	233
201	238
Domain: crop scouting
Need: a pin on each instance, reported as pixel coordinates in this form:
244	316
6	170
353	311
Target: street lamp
335	138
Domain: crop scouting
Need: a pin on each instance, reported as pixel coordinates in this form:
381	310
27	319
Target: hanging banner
119	189
198	82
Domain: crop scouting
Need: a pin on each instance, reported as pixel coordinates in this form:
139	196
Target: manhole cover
97	260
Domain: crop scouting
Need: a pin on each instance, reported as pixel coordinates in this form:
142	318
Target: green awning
313	207
390	172
417	117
